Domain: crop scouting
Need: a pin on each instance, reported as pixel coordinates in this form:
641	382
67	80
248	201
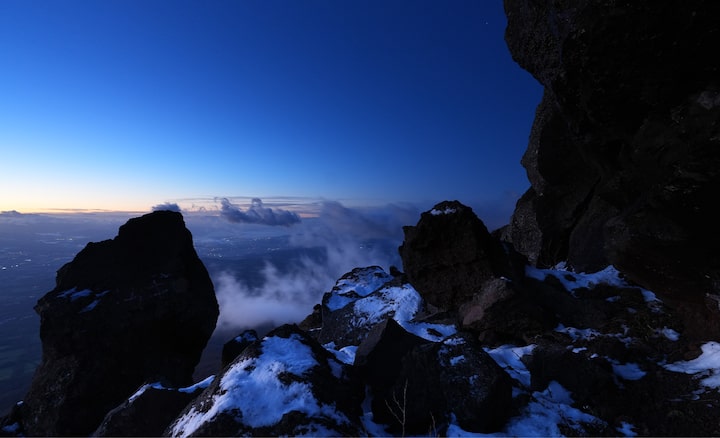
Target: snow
627	371
540	417
401	303
706	365
345	355
578	334
609	276
157	385
363	283
508	357
11	428
447	210
626	429
251	390
670	334
457	359
571	280
74	294
428	331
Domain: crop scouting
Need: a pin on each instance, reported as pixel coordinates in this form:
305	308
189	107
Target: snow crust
157	385
446	210
401	303
573	280
509	358
706	366
347	290
540	417
251	390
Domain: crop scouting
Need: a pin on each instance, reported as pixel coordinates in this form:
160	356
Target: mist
341	238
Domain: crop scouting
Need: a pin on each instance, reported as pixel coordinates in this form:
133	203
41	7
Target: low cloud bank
257	214
345	238
169	206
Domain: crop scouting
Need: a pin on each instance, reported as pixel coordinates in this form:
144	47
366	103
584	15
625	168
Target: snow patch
627	371
540	417
73	294
252	391
626	429
670	334
446	210
361	284
707	365
508	357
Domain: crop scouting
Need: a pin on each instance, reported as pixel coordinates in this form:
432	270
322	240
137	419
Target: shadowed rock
624	154
135	309
449	254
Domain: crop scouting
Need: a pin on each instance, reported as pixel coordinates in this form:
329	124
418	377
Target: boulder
436	382
283	385
360	300
378	358
139	308
624	153
149	411
449	254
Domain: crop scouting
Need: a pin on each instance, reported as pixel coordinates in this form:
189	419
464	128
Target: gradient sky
121	105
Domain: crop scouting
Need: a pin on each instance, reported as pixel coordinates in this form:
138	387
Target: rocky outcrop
283	385
139	308
149	410
449	254
624	154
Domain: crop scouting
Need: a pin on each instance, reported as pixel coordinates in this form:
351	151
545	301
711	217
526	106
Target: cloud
334	243
167	206
257	214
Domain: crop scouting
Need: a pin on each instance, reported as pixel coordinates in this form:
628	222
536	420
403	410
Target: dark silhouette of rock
449	254
148	412
378	358
235	346
284	385
135	309
417	384
624	156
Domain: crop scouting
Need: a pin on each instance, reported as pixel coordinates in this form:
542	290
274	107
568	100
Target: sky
122	105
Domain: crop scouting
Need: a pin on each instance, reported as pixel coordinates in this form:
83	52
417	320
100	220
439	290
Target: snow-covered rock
284	384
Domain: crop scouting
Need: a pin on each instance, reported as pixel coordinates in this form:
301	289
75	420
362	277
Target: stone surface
135	309
449	254
454	377
624	155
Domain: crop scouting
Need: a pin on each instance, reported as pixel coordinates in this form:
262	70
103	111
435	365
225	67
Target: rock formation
624	153
283	385
133	310
449	254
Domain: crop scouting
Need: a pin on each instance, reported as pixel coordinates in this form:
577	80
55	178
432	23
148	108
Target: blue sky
122	105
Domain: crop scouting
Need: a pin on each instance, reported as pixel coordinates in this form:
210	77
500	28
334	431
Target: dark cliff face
135	309
624	154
